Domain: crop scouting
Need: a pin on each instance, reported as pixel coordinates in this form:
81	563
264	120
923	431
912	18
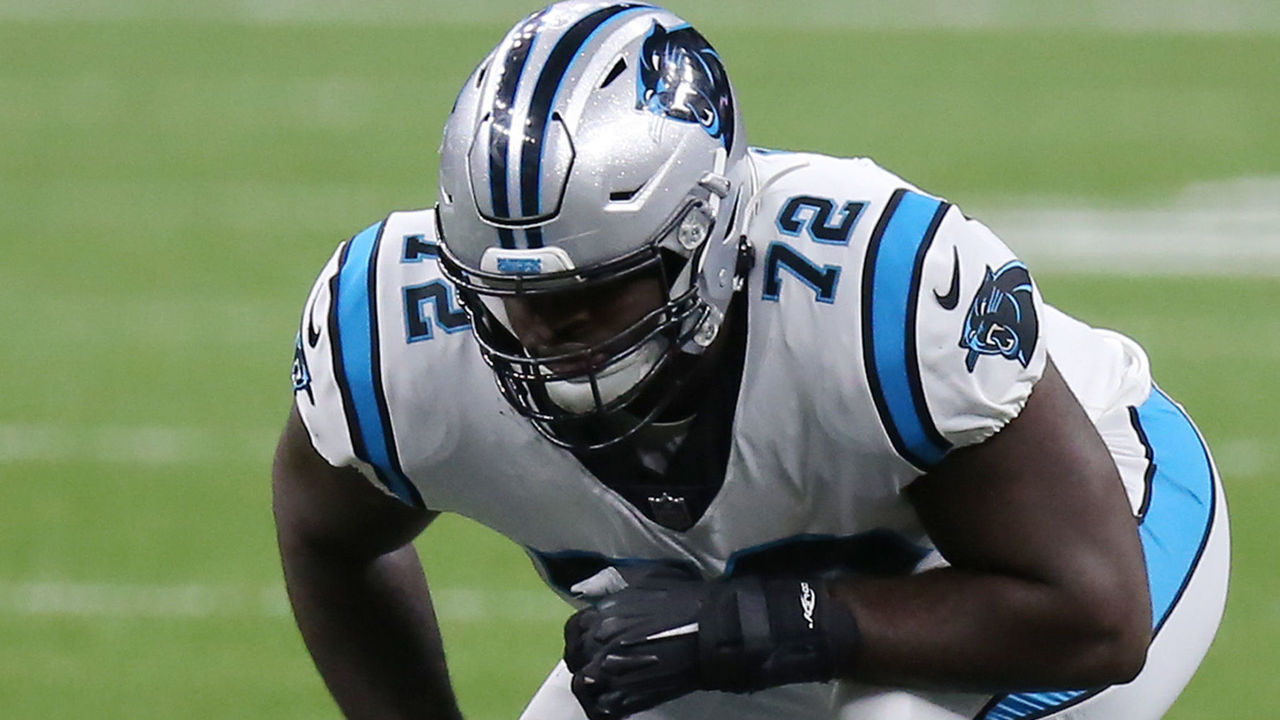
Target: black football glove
667	634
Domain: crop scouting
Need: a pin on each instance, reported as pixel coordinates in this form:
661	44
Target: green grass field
171	179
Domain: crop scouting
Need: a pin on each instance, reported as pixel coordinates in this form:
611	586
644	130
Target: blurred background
173	175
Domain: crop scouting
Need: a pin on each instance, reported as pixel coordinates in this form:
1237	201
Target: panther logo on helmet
681	77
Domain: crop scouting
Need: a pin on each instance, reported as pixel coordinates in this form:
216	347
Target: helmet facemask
592	396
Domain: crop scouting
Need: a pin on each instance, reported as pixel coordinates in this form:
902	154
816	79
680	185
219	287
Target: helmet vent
623	195
618	67
480	75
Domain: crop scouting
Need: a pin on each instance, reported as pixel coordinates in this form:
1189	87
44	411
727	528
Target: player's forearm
957	629
372	632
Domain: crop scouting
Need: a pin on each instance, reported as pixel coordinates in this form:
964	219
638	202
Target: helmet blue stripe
500	130
544	95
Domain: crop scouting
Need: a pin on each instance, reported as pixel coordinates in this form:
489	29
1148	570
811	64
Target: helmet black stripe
544	94
534	237
500	130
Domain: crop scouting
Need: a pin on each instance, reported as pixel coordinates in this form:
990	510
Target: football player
795	437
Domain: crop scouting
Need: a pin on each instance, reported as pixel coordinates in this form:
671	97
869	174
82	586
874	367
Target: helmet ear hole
672	263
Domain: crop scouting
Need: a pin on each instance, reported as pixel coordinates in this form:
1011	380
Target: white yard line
196	600
155	446
1228	227
1245	457
1130	16
1219	228
136	445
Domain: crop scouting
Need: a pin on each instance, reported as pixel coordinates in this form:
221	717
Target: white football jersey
884	329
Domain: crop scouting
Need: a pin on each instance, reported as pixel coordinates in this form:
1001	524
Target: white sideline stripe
196	601
161	446
136	445
1236	457
1225	227
1196	16
1210	228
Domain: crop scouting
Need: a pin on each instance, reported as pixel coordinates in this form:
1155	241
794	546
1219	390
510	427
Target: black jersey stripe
1150	472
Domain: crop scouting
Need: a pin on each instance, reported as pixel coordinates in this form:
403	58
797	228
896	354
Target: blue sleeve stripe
1025	706
339	370
358	363
890	288
1175	528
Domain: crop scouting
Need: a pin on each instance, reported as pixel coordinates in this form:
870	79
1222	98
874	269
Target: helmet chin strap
612	382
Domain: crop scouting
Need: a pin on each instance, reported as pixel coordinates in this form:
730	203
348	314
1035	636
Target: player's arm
358	591
1047	589
1047	585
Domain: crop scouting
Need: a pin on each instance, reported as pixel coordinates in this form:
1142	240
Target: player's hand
667	634
619	666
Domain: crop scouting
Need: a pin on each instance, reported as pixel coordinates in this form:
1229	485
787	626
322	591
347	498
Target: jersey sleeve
315	384
979	331
952	330
337	379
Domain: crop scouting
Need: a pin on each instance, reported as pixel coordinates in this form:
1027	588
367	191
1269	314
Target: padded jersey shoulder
894	296
367	333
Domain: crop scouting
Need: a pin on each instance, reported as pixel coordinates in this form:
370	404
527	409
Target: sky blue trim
1177	522
893	291
1023	705
356	318
1173	532
520	266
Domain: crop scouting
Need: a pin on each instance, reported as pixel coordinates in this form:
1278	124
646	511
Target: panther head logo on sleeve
1002	319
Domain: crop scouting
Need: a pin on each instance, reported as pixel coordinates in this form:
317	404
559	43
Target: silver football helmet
599	141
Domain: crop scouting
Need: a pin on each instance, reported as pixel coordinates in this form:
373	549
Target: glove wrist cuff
805	614
758	633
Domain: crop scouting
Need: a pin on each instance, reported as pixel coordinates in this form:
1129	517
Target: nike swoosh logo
313	333
952	298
